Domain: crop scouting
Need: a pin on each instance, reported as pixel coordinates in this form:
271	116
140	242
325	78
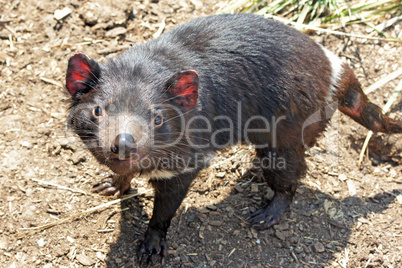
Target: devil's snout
123	146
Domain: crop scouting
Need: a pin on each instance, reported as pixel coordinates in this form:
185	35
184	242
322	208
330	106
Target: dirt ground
342	216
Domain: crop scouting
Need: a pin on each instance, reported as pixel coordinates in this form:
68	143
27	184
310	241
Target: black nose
123	145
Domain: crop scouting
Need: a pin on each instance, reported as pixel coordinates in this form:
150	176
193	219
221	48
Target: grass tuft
322	13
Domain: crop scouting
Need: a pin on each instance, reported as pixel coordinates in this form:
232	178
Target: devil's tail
354	103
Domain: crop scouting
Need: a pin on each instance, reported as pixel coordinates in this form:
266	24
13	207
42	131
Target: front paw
152	245
112	185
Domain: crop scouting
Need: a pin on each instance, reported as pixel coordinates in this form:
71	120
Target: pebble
282	227
239	189
3	244
41	242
100	256
203	210
254	188
89	18
216	223
399	199
197	4
78	158
283	235
26	144
85	260
318	247
70	239
351	187
236	232
116	32
212	207
60	14
342	177
220	174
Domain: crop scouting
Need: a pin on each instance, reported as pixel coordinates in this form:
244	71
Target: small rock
28	213
282	235
216	223
26	144
254	188
3	243
100	256
41	242
220	175
282	227
70	239
203	210
197	4
318	247
89	18
175	246
61	250
177	259
85	260
116	32
78	158
212	207
351	187
398	199
63	142
3	55
172	252
342	177
239	189
62	13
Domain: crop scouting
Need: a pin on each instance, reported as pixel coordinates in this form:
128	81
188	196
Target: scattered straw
162	26
318	29
46	226
383	81
233	250
60	186
51	81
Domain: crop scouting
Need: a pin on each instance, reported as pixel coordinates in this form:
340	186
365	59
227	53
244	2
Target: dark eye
158	120
97	111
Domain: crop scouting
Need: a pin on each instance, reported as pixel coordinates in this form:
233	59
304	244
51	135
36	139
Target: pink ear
82	74
183	87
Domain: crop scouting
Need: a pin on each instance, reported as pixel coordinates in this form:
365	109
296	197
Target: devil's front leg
169	193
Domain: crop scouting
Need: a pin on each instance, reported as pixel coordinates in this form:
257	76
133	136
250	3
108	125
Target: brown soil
340	217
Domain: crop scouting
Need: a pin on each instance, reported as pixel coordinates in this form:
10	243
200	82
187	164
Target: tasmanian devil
163	108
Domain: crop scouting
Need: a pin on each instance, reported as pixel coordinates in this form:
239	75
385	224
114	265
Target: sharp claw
106	187
150	249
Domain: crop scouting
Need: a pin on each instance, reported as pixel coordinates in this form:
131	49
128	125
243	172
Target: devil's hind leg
283	178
